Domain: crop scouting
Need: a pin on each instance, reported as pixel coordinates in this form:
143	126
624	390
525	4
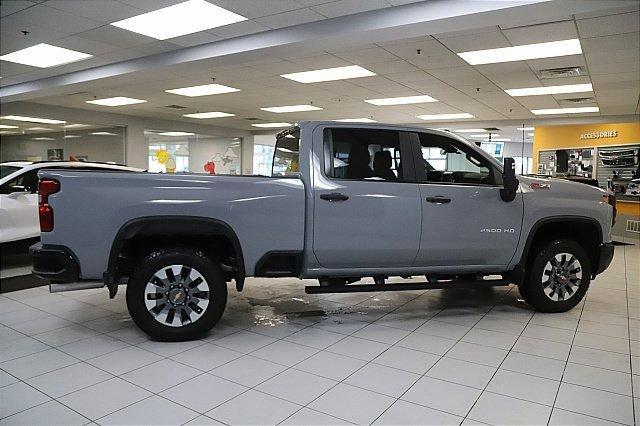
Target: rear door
464	220
367	213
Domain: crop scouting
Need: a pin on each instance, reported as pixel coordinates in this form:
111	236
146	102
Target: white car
19	194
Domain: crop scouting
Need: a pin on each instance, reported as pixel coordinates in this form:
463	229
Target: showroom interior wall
136	147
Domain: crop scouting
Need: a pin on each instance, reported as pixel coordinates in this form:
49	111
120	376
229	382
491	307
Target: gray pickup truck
345	201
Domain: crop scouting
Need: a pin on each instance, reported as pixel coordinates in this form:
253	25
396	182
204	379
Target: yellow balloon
162	155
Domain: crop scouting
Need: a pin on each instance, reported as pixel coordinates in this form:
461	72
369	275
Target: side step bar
82	285
362	288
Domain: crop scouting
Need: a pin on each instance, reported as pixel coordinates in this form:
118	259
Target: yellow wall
560	137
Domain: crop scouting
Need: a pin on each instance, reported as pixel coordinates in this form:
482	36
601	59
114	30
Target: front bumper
605	258
55	263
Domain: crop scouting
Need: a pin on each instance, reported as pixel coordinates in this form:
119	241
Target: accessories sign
599	135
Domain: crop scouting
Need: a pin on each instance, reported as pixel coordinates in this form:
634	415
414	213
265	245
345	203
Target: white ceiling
610	42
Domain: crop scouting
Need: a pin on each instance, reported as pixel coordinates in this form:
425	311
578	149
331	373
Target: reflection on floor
281	356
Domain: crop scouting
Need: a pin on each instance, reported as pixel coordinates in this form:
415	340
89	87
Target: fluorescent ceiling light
32	119
103	134
402	100
525	128
329	74
44	56
38	129
523	52
530	134
550	90
445	116
4	126
212	114
183	18
291	108
72	136
75	126
176	134
43	139
356	120
469	130
272	125
498	140
116	101
576	110
5	132
484	135
203	90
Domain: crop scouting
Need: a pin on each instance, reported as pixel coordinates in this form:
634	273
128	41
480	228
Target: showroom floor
281	356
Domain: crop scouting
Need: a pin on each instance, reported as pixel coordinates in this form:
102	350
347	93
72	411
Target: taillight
46	187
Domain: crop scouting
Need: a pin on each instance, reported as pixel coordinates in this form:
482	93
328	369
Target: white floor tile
472	352
601	359
248	370
41	325
524	386
285	353
307	416
381	333
38	363
160	375
353	404
358	348
245	341
18	397
202	421
406	413
254	408
20	347
427	343
153	410
296	386
500	325
131	334
598	378
605	343
407	359
65	335
494	339
561	417
535	365
93	347
443	329
168	349
104	398
69	379
381	379
462	372
124	360
445	396
206	357
6	378
203	393
596	403
503	410
51	413
544	348
330	365
315	337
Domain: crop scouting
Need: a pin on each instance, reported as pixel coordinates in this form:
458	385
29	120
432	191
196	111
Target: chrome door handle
334	196
438	200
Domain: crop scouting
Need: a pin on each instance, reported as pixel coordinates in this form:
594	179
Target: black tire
192	260
532	288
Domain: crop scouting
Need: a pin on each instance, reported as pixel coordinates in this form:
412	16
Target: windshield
7	170
286	154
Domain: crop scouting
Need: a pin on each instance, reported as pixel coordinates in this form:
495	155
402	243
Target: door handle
438	200
334	196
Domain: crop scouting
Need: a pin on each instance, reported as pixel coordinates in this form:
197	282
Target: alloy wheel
561	276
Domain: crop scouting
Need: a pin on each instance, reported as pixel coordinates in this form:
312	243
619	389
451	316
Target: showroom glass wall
27	141
185	152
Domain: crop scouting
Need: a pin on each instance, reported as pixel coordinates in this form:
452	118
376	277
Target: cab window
286	155
452	162
26	182
363	154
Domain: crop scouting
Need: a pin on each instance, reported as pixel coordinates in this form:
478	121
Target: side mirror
510	182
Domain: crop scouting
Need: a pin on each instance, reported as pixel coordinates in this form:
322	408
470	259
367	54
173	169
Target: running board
362	288
82	285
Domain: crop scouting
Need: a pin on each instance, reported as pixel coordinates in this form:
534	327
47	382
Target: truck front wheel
176	294
557	277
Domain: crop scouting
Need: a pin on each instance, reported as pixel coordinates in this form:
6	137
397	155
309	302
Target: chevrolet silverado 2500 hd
344	202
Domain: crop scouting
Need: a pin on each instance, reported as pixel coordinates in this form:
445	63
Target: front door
464	220
366	214
19	208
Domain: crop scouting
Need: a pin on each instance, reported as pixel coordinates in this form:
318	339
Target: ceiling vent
175	106
577	101
552	73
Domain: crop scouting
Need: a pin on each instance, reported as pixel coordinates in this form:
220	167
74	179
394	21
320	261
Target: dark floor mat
20	283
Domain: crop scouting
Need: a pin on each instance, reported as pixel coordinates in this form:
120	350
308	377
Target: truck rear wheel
176	294
557	278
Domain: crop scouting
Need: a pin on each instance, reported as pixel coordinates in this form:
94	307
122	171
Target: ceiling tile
150	5
609	25
349	7
48	17
612	42
287	19
486	40
258	8
116	36
239	29
541	33
96	10
366	56
391	67
13	6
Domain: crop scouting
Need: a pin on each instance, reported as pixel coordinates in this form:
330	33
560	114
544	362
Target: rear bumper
55	263
606	255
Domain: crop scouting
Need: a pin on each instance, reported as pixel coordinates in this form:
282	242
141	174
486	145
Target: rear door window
286	155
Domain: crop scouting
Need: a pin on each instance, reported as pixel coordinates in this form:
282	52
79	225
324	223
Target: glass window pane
286	156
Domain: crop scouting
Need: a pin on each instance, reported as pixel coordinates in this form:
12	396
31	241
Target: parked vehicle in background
344	202
19	194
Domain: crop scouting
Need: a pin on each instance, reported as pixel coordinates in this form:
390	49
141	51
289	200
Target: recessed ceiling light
356	120
483	135
525	128
291	108
550	90
176	134
468	130
116	101
5	132
402	100
576	110
445	116
72	136
523	52
75	126
203	90
43	139
183	18
272	125
44	56
4	126
103	134
212	114
32	119
329	74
